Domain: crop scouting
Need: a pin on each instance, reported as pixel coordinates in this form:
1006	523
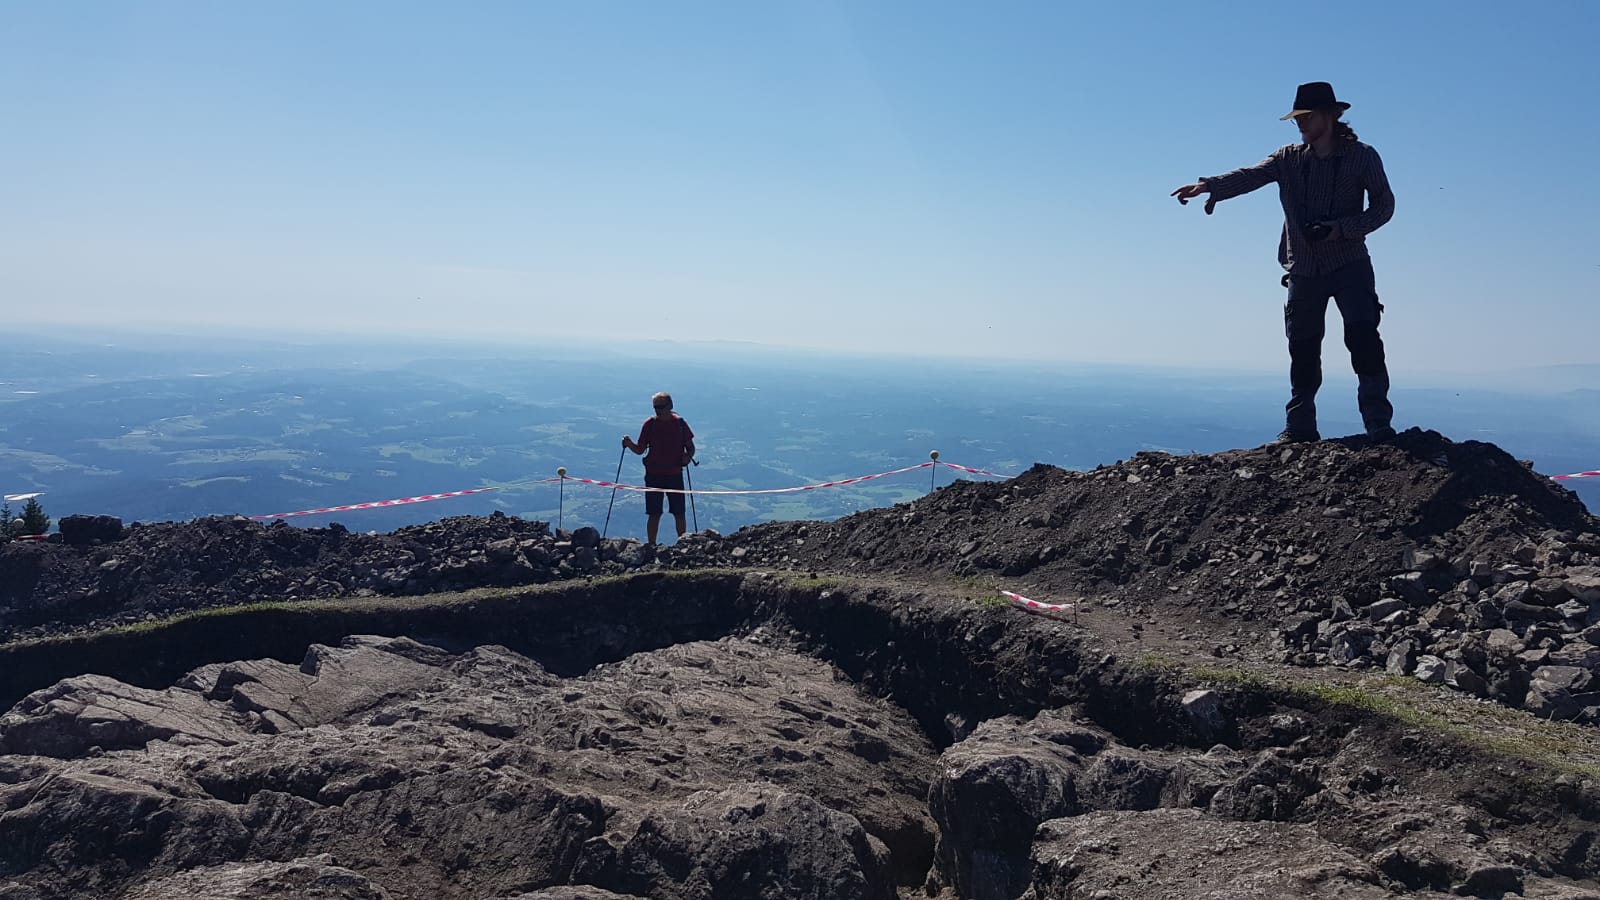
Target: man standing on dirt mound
1324	251
670	443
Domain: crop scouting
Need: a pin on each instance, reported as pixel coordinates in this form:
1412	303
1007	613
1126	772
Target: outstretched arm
1231	184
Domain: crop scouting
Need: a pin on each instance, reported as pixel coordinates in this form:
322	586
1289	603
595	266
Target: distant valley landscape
153	428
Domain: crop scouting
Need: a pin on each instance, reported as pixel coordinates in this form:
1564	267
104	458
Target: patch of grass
1240	678
1561	747
974	584
1369	701
384	603
994	600
311	607
814	582
1155	663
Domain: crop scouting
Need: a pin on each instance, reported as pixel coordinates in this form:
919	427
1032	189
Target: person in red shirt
670	444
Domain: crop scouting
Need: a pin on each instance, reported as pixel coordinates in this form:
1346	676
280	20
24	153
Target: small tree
6	518
33	520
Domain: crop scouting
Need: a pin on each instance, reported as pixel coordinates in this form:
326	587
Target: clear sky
906	177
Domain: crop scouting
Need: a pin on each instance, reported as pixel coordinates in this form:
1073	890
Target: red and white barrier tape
974	471
424	498
421	498
786	490
1035	606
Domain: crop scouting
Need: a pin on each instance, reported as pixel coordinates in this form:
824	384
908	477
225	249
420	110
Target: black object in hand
1317	231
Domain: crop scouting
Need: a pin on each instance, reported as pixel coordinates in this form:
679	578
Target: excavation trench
887	741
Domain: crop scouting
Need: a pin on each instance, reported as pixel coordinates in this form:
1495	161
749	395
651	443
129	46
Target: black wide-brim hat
1312	96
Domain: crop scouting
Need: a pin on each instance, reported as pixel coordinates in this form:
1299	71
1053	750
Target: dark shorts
652	499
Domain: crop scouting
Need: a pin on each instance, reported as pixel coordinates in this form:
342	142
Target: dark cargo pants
1353	288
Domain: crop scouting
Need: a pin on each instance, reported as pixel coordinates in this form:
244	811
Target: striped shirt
1313	189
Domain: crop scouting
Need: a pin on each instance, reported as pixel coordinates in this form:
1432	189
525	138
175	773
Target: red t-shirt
666	448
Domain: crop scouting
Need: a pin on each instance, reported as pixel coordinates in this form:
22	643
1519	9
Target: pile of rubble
1450	562
107	574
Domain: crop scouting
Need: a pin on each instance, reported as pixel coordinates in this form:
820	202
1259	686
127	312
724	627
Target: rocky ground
743	767
1450	562
474	775
890	739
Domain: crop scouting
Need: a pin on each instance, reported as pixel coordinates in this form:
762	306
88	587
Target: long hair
1342	129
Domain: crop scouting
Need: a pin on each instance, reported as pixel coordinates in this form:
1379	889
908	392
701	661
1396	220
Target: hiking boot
1380	435
1297	437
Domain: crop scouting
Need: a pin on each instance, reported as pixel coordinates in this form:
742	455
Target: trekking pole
933	455
614	483
561	495
691	495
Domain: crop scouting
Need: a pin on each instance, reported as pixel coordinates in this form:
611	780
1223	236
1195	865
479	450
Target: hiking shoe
1297	437
1381	435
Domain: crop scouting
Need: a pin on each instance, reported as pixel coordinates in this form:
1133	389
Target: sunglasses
661	406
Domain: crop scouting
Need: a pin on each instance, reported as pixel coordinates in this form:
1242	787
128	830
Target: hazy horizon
1523	376
161	427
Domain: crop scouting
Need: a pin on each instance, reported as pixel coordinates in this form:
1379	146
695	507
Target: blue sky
924	178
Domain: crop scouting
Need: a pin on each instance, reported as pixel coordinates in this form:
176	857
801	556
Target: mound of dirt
1449	561
58	586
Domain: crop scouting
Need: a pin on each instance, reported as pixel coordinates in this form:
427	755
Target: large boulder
1186	853
330	683
422	773
1560	692
85	530
750	841
314	877
1271	789
71	716
993	790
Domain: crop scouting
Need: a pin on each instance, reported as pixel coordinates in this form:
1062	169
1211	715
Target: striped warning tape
375	504
784	490
1594	473
600	483
974	471
424	498
1034	606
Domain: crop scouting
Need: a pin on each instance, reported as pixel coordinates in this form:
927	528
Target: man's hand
1190	191
1320	231
627	443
